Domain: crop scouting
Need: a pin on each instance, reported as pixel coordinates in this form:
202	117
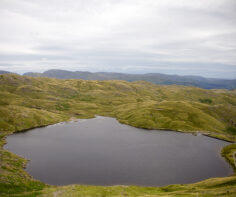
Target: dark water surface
101	151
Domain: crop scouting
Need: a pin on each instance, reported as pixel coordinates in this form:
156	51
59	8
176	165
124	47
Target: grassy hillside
27	102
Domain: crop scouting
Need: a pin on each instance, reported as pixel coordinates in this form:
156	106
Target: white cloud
96	34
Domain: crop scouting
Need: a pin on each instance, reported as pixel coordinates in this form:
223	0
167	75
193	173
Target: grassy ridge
27	102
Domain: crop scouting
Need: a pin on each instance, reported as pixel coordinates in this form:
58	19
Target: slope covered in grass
27	102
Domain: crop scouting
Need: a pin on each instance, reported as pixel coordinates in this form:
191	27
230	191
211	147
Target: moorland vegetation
28	102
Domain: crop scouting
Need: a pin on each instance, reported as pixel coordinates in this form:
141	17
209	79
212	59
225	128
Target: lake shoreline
183	188
205	133
77	120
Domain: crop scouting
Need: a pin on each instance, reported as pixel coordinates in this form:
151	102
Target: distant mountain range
157	78
4	72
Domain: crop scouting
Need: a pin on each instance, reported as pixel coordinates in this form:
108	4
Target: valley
27	102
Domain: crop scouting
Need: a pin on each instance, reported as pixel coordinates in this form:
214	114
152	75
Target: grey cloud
182	37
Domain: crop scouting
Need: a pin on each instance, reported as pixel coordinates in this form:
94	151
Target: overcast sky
185	37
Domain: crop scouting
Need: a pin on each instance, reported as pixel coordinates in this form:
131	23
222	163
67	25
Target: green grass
27	102
229	152
231	130
206	100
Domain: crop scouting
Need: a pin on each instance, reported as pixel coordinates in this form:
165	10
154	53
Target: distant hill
4	72
157	78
